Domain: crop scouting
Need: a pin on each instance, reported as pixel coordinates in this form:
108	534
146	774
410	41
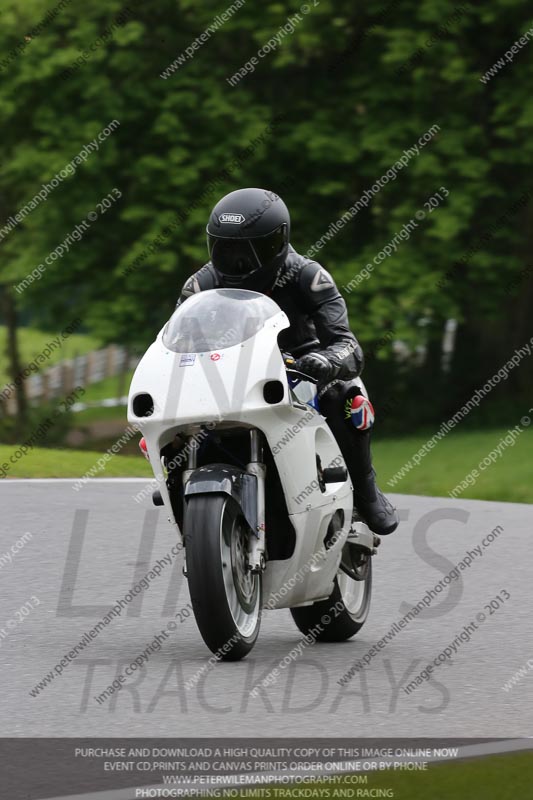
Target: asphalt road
88	548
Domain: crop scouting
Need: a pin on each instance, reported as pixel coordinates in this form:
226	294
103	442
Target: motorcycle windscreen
217	319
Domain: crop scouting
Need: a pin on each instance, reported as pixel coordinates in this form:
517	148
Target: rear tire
347	606
226	598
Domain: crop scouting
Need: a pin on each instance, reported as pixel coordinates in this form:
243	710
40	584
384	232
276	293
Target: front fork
256	543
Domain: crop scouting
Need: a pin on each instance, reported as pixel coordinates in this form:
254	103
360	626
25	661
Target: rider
248	242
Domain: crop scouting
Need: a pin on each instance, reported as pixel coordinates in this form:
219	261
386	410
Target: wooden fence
60	379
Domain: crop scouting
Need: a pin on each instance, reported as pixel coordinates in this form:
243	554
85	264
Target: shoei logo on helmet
235	218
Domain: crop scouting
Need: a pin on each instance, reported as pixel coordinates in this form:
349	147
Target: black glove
318	366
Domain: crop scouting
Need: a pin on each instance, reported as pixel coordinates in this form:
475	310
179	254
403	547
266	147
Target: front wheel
345	611
225	596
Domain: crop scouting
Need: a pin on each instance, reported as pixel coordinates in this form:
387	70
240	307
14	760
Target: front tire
347	606
225	596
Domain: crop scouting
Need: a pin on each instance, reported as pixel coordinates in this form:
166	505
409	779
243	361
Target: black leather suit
315	308
318	318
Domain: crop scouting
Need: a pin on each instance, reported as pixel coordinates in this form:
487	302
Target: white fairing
223	385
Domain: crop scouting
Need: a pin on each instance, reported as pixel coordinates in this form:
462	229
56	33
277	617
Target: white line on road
12	481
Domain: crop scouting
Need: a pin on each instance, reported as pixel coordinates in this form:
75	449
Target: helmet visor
238	257
232	257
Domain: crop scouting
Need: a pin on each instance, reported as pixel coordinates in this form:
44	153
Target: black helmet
248	238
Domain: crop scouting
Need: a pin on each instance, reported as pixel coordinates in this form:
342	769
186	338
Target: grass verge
47	463
509	479
502	777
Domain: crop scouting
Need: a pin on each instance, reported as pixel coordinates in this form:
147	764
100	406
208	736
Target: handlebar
289	361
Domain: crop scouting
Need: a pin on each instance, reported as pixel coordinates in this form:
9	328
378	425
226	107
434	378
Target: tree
350	88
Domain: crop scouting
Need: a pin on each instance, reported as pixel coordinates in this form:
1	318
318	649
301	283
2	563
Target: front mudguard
229	480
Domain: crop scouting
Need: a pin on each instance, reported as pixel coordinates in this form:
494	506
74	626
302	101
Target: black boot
378	513
374	508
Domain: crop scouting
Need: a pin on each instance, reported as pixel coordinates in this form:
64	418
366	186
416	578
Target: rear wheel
345	611
225	595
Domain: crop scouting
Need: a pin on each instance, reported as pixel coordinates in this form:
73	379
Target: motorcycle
250	475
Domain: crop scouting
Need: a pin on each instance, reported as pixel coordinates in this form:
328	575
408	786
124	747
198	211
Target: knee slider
359	411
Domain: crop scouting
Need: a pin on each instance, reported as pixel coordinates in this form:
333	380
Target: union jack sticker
362	413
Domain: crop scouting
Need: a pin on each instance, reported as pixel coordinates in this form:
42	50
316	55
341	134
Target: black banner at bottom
127	769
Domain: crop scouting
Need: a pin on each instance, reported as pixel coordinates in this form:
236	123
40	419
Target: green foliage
47	429
33	342
348	113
